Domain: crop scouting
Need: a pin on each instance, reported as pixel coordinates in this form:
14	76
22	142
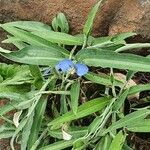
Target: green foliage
113	60
60	22
118	141
59	107
75	93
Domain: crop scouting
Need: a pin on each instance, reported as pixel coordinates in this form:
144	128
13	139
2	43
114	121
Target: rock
114	17
134	15
75	10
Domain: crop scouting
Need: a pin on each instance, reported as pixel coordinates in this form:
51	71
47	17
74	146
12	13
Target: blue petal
81	69
64	65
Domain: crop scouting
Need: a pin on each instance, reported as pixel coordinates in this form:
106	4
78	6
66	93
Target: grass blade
133	46
59	37
37	121
139	88
26	132
120	101
118	141
83	110
128	119
36	56
141	126
113	60
89	23
28	25
59	145
75	92
102	79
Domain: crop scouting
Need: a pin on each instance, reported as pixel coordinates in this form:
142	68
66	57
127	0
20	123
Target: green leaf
85	109
118	141
133	46
113	60
58	37
27	37
6	127
33	39
59	145
139	88
140	126
80	144
101	40
63	23
37	121
89	23
28	25
36	56
15	41
94	125
14	74
37	75
55	24
6	134
20	127
120	38
15	105
102	79
104	143
128	119
120	100
129	75
76	132
117	39
4	50
75	92
21	89
18	101
26	132
60	21
13	96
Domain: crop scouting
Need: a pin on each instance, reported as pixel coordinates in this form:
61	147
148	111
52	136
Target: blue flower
81	69
65	65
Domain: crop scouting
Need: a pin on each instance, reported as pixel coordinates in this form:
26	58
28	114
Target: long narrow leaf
113	60
141	126
128	119
89	23
83	110
37	121
28	25
36	56
139	88
102	79
59	145
27	36
118	141
133	46
120	101
75	92
33	39
59	37
75	132
26	132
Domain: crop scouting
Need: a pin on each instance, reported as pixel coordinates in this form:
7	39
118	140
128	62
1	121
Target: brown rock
44	10
114	17
134	15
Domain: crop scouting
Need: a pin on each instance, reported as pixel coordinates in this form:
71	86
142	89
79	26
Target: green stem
56	92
